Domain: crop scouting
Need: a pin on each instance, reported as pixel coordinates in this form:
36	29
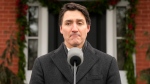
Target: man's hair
72	7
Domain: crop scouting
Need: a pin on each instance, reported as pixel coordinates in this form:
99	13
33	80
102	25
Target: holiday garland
22	31
129	42
94	7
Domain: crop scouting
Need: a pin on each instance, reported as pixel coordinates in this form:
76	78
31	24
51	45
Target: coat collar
89	60
60	60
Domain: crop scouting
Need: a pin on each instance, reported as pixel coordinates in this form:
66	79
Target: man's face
74	29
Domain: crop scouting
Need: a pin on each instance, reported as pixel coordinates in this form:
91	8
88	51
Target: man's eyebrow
68	20
80	20
72	20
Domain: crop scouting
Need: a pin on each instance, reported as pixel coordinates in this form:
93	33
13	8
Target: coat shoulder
46	57
103	55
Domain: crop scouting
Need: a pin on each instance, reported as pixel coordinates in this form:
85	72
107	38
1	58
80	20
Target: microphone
75	55
75	58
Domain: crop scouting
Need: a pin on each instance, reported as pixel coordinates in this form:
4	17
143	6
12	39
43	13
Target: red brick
140	81
4	4
141	63
143	24
4	11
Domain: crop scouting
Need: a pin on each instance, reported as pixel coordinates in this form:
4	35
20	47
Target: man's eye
80	23
67	23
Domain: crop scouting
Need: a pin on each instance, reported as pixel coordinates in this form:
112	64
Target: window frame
111	43
42	37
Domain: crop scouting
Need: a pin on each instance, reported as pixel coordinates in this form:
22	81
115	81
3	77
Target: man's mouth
74	35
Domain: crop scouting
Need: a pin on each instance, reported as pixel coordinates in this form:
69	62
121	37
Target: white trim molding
111	44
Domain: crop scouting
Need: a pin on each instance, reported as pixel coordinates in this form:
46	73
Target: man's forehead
73	15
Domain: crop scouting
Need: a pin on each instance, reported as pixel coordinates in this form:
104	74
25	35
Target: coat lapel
89	60
60	60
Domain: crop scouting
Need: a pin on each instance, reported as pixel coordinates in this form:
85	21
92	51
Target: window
120	33
37	39
32	36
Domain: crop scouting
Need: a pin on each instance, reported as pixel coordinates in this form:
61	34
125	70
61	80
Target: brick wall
7	24
143	24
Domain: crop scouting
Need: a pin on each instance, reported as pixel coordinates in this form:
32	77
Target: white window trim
42	38
111	36
44	31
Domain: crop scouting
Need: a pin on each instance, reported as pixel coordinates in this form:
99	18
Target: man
97	67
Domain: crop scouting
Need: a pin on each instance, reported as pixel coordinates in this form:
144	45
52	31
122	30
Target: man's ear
88	28
60	29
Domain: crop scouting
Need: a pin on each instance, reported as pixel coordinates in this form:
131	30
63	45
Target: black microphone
75	55
75	58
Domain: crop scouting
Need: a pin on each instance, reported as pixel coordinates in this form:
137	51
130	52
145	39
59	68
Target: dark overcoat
97	68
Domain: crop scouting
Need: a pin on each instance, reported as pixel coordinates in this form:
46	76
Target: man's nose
74	27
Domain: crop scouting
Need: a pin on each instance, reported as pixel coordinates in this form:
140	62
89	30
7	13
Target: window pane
121	30
121	18
120	54
33	20
32	52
